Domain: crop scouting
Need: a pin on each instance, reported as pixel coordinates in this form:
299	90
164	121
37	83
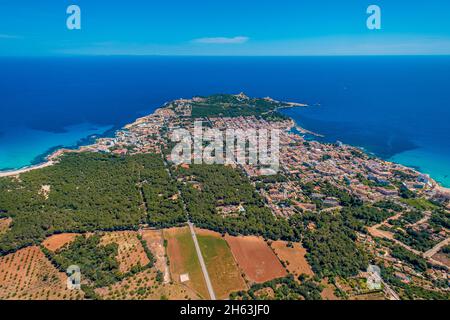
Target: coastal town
368	177
404	221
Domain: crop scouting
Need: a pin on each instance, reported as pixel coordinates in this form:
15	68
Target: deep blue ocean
395	107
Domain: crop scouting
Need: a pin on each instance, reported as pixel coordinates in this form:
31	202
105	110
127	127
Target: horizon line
223	56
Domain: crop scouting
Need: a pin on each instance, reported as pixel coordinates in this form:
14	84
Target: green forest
223	105
330	243
286	288
97	262
206	187
87	192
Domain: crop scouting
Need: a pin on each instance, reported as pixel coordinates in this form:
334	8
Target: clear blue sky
224	27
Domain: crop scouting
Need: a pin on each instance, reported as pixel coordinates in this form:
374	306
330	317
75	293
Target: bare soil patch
256	258
328	291
293	257
58	241
155	242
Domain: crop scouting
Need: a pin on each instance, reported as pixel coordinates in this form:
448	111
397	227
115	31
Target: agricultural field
183	260
155	242
146	286
256	258
293	257
28	274
58	241
222	268
130	250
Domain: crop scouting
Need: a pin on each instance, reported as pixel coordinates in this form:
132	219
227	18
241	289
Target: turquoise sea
22	146
395	107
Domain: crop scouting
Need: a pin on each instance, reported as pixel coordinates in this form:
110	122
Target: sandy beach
51	160
23	170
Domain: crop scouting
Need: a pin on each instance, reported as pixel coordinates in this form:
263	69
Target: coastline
50	157
437	185
16	172
435	176
417	168
45	159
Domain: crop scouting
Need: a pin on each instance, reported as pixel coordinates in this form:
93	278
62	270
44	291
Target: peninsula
310	231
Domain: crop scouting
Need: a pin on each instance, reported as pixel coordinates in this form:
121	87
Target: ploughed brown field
130	251
58	241
293	257
28	274
256	258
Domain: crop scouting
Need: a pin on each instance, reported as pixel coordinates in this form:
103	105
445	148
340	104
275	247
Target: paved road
202	263
197	247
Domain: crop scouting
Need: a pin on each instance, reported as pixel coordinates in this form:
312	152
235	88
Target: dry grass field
28	274
225	275
183	259
256	258
293	257
4	224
